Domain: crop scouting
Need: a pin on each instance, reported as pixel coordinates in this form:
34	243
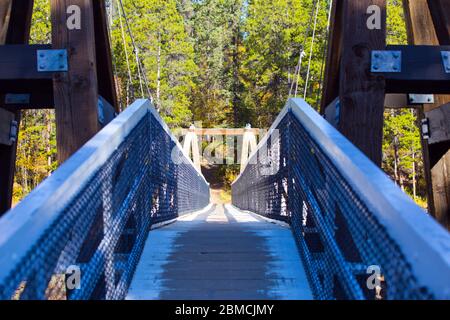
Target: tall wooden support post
332	67
191	143
348	73
105	72
75	92
16	16
249	145
428	24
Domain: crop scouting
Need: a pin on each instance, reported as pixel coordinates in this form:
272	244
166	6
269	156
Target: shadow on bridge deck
220	254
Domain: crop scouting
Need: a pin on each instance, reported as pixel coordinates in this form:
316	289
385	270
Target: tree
36	150
276	32
402	150
168	56
218	41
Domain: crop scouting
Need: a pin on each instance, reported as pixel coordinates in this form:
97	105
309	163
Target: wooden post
249	145
75	92
427	25
16	30
361	93
191	143
332	68
441	19
5	7
105	72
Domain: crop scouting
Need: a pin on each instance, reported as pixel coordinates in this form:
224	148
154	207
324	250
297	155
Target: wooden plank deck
220	254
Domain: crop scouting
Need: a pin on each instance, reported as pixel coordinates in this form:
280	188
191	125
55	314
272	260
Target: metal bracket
13	131
101	114
446	60
106	111
21	98
426	129
386	61
52	60
421	98
333	113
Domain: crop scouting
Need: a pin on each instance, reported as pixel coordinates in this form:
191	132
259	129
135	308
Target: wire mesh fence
92	246
346	249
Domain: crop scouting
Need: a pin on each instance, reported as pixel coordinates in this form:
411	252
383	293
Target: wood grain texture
424	23
439	120
422	71
105	72
332	67
220	254
75	92
5	126
5	7
17	32
362	93
440	13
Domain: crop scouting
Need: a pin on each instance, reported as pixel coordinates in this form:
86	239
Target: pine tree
276	32
168	56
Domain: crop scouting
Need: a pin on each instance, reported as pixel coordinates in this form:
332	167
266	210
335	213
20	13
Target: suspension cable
298	68
139	73
325	54
127	58
311	50
141	68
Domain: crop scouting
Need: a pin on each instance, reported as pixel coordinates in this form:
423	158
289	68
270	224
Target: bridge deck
220	254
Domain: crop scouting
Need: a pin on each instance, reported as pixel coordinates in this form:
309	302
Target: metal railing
359	235
80	234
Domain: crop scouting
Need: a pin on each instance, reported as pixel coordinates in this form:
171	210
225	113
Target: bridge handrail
25	225
424	242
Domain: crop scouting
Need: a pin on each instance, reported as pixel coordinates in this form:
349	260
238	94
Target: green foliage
166	52
223	63
275	34
41	26
402	151
218	43
36	151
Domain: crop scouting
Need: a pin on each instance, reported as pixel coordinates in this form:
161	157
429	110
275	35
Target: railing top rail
424	242
25	224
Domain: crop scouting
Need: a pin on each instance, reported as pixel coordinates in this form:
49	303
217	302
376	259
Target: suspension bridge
128	214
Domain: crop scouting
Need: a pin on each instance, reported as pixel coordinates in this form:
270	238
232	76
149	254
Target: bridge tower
191	146
73	75
249	145
358	79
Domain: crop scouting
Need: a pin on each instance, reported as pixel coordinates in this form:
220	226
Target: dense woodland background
224	63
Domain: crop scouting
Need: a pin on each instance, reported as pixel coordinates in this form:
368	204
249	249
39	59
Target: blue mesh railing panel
95	212
345	213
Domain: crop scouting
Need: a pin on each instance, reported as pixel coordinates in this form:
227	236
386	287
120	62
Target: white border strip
24	225
424	242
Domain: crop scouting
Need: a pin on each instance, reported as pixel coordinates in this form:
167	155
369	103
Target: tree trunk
158	86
